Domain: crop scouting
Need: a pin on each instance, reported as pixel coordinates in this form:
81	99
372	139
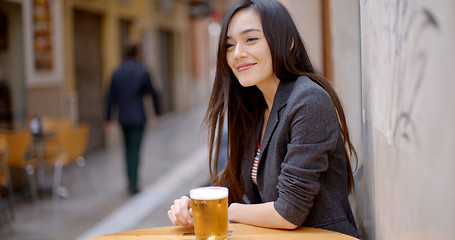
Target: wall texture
406	190
307	17
345	34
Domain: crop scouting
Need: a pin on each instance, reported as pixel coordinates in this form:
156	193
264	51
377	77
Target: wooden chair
18	145
74	141
71	144
54	126
55	123
5	181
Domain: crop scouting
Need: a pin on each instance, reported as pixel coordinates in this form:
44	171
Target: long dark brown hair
245	105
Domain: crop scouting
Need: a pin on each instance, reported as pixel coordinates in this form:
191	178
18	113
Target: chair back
74	140
18	145
57	126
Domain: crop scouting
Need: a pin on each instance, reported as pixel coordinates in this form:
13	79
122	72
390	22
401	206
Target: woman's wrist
232	212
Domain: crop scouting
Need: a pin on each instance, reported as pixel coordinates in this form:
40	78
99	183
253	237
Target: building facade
59	55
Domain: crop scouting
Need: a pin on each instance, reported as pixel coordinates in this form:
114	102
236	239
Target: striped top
254	169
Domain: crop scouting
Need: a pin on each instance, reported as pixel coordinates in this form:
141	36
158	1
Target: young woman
289	148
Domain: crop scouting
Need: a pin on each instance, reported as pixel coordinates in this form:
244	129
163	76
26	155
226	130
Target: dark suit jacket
302	167
130	83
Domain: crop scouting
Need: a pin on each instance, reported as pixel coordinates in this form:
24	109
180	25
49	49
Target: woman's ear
292	45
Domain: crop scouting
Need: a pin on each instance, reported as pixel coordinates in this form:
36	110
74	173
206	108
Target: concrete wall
307	15
407	57
345	35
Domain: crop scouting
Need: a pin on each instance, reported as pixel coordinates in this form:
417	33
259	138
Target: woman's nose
239	51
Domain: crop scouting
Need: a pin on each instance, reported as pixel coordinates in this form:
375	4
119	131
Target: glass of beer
210	212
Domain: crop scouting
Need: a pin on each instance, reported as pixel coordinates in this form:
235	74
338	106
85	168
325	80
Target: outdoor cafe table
236	232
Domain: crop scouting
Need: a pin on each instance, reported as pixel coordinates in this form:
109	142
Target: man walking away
131	82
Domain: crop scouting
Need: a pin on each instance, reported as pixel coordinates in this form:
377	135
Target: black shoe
133	191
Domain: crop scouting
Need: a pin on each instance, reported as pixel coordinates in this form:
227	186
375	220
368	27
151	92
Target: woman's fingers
180	213
177	215
186	210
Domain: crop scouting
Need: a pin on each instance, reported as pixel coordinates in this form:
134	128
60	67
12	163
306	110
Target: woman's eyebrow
246	31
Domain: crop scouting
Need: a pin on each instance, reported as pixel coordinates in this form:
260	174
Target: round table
236	232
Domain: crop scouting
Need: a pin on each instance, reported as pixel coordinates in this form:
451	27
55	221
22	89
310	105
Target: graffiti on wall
412	29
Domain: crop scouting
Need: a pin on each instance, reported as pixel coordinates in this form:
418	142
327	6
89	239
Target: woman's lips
245	66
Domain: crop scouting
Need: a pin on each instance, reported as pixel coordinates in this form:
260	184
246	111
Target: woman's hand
181	213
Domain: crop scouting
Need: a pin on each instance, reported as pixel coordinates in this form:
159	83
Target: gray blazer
302	167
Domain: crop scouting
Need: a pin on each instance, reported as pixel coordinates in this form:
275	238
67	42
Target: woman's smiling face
248	53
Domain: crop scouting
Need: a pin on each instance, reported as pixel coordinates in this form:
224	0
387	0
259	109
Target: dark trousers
132	136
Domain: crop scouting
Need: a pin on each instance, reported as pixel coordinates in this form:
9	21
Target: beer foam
209	193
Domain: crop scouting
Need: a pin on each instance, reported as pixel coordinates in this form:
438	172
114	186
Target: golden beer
210	212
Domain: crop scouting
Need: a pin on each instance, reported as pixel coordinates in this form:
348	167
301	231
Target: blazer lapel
247	164
279	102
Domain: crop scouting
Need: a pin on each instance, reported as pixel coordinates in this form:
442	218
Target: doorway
88	67
13	91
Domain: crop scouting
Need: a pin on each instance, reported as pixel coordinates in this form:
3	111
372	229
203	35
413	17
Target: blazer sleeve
313	135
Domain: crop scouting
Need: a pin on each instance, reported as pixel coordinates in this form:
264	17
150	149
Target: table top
236	232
